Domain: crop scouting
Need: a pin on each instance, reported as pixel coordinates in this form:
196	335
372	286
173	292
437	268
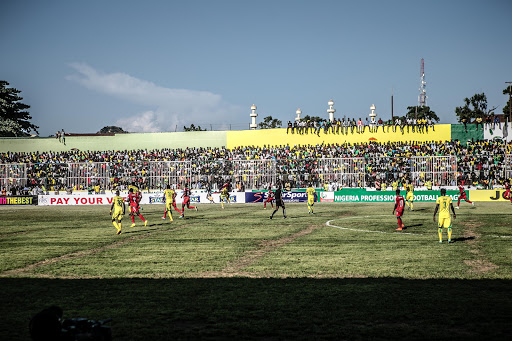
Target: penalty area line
329	223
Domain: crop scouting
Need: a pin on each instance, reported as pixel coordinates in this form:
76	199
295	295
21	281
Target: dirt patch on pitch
478	264
234	269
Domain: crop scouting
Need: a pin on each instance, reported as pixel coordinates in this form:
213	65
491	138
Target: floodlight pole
509	101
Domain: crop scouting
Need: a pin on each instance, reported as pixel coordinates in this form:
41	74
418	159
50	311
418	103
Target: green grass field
342	273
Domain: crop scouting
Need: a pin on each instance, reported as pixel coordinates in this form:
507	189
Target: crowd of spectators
344	126
479	163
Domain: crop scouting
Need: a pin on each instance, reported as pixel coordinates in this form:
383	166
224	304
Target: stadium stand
253	159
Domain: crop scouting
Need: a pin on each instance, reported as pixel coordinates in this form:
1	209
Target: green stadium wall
230	139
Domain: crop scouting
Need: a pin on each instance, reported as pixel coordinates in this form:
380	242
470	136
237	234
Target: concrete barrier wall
117	142
230	139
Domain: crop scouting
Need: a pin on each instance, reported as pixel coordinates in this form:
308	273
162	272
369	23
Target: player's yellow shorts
117	214
168	206
410	196
311	200
445	222
224	198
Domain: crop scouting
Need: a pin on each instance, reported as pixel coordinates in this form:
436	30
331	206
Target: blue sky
152	66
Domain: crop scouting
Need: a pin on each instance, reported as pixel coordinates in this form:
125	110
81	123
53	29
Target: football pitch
342	273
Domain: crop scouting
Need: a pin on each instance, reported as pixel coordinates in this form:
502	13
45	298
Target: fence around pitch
508	166
251	174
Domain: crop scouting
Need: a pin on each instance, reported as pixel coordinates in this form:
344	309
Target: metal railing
248	174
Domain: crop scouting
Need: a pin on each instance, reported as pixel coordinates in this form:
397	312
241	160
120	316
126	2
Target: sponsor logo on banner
18	200
252	197
326	196
195	199
488	195
294	196
361	195
156	200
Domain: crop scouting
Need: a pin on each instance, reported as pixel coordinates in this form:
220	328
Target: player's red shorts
399	213
134	208
463	196
186	200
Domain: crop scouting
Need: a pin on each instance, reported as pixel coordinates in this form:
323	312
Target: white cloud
173	106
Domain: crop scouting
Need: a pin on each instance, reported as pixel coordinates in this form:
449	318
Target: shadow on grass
271	309
462	239
414	225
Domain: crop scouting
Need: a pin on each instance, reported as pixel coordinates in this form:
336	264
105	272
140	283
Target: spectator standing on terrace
398	123
497	121
279	202
346	124
465	122
430	123
478	122
380	123
290	127
409	124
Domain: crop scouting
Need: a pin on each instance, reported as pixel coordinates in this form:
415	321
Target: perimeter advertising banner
293	196
18	200
487	195
362	195
147	198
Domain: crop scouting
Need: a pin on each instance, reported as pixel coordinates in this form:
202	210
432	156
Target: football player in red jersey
462	195
399	209
270	198
507	195
134	200
186	201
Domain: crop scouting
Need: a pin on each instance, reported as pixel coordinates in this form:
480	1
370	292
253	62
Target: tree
506	109
312	118
421	113
270	123
193	128
112	129
14	117
474	107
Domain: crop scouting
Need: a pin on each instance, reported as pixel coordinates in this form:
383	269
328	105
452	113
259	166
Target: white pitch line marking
328	223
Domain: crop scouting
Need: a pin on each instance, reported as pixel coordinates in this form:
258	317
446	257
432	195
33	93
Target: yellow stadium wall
276	137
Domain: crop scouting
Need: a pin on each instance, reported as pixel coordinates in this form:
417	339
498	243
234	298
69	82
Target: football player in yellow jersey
170	202
134	187
394	184
224	196
444	204
410	195
311	199
119	210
